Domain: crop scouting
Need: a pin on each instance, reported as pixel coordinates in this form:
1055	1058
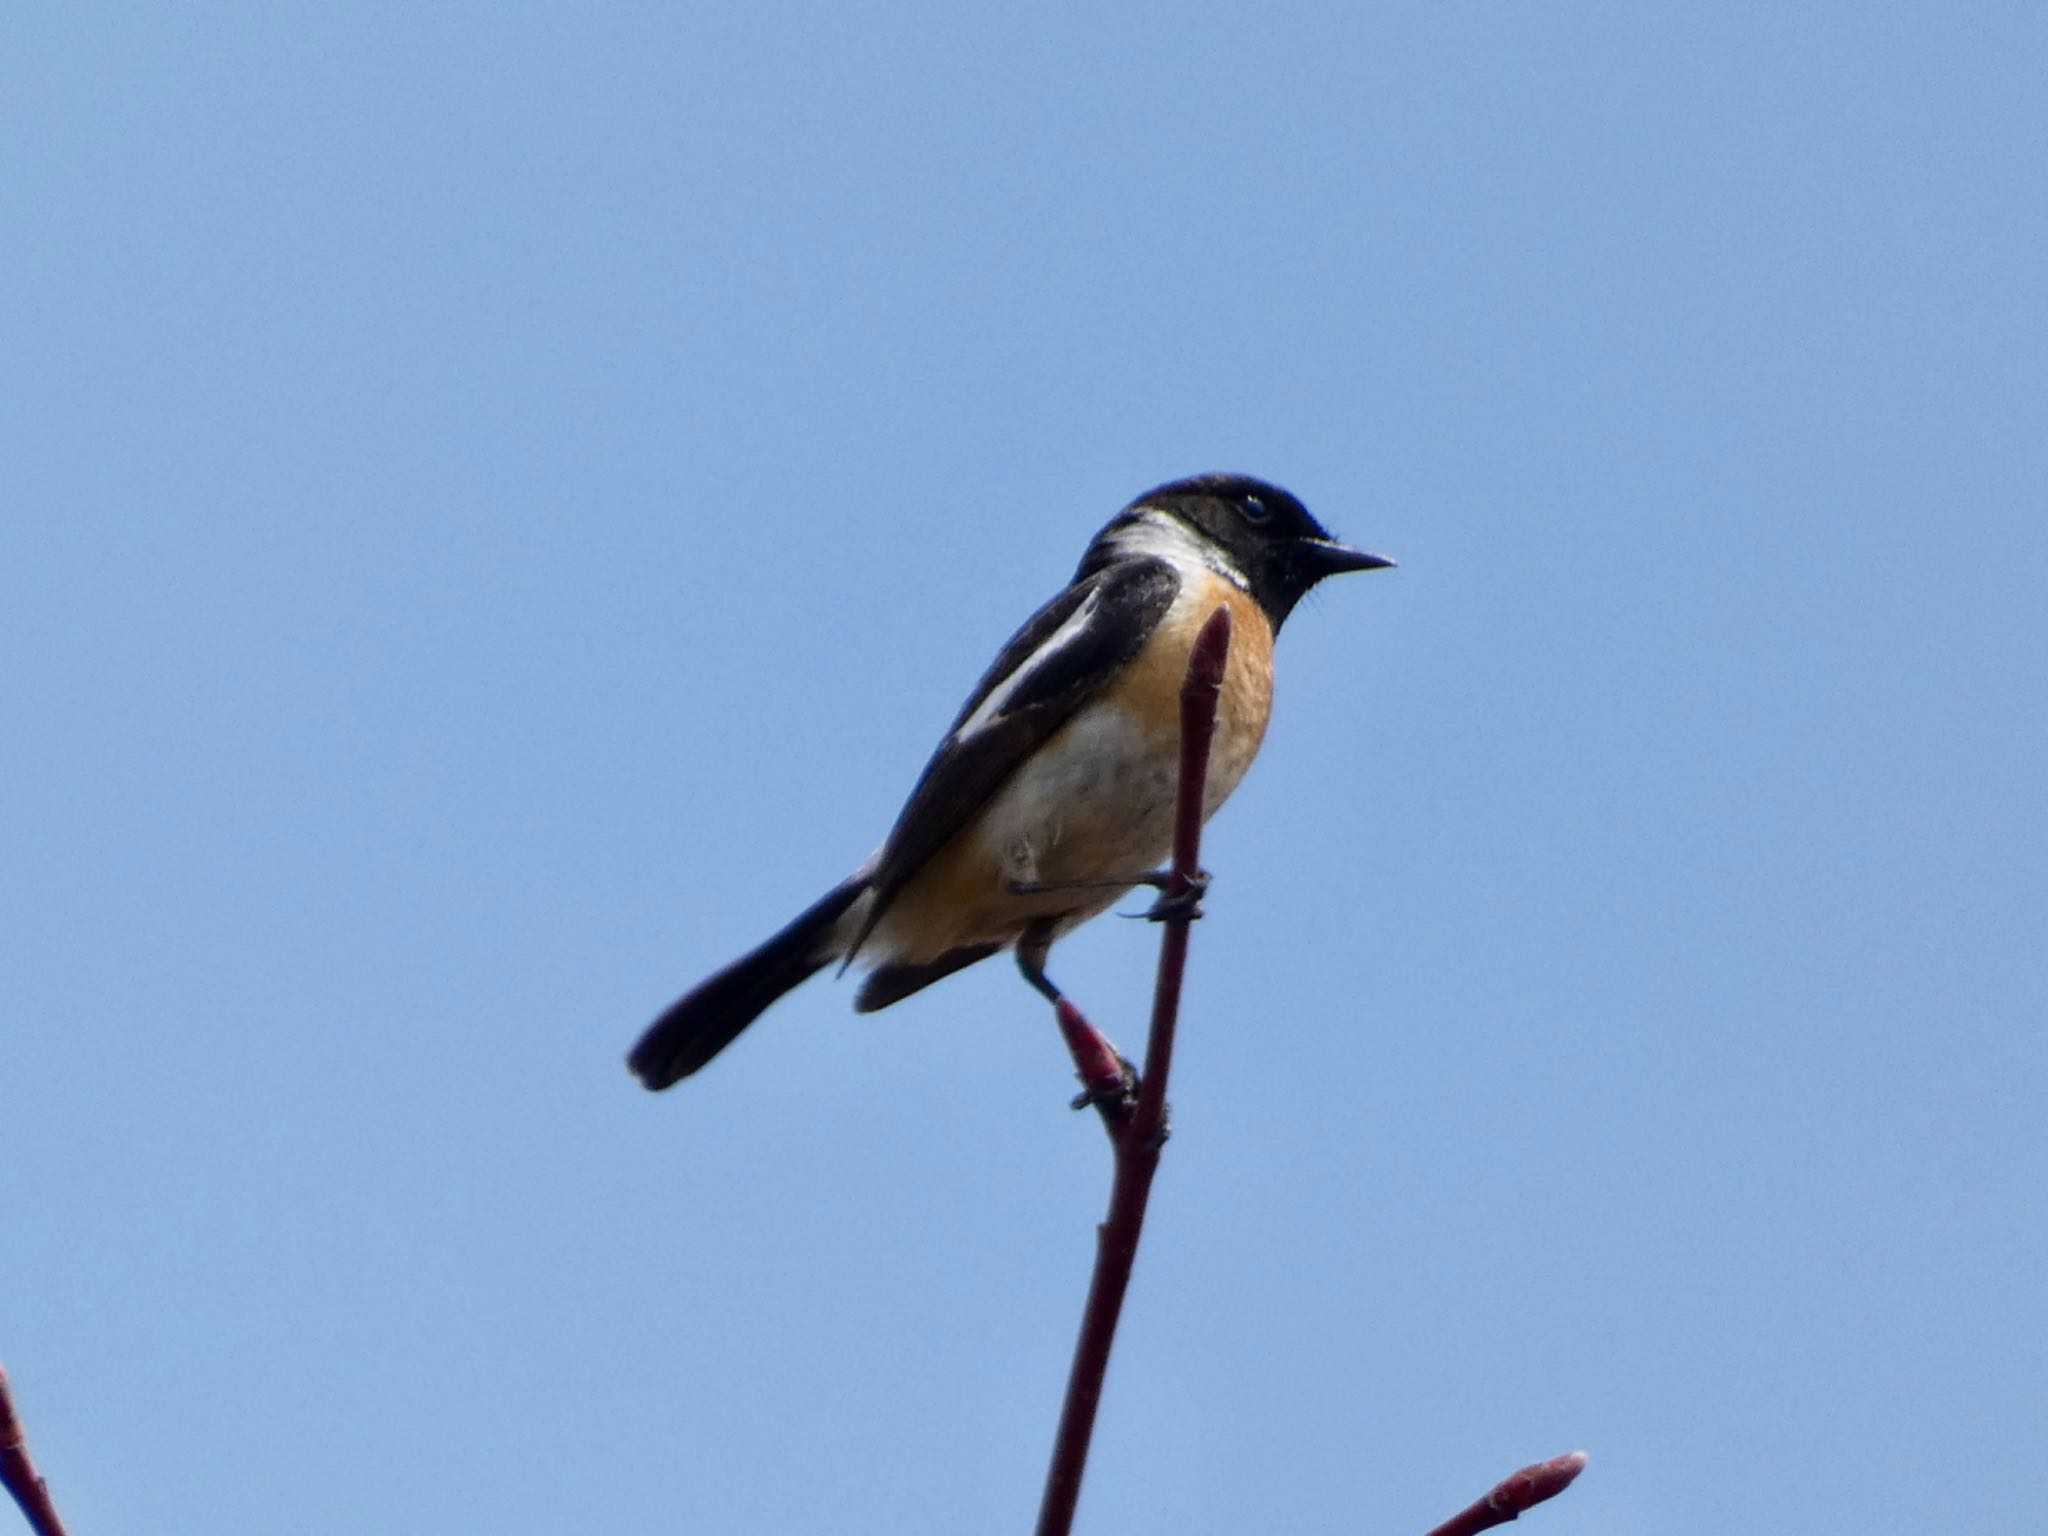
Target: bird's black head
1260	532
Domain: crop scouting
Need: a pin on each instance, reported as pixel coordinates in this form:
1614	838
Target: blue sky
497	503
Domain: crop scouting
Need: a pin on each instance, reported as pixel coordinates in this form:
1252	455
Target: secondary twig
1137	1136
1108	1081
1513	1495
18	1470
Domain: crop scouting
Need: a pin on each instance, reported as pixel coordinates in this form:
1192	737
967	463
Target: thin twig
1136	1140
1108	1081
1514	1495
18	1470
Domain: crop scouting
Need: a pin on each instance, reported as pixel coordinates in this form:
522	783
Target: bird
1052	794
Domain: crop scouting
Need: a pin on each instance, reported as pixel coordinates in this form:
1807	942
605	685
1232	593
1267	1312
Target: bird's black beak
1327	558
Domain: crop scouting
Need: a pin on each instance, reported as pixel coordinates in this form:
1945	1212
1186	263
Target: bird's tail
709	1017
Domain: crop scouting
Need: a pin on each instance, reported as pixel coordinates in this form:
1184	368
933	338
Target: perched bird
1053	793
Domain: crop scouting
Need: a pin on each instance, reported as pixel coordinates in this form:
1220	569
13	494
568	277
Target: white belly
1097	802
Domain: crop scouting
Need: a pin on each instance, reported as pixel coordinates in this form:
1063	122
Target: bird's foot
1172	905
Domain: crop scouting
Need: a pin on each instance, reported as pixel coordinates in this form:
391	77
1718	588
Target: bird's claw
1177	905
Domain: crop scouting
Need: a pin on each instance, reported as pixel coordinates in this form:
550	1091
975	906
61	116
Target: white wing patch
999	696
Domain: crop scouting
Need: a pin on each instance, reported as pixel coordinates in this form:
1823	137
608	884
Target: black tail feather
709	1017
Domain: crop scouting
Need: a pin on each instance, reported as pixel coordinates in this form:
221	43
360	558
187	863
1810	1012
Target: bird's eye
1255	510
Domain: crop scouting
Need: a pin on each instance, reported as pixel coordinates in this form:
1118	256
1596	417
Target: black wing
1057	662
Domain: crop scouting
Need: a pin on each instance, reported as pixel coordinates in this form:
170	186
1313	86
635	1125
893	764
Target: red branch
1514	1495
1136	1139
18	1470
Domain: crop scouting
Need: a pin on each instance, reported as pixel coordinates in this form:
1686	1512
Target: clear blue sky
497	503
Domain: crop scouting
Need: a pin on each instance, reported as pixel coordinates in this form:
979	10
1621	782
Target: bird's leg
1032	950
1187	904
1108	1080
1053	887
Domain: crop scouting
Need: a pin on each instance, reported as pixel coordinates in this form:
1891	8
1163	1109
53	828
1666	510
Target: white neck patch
1168	538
